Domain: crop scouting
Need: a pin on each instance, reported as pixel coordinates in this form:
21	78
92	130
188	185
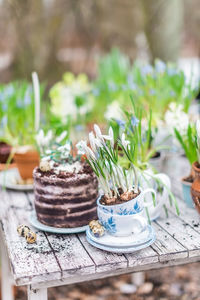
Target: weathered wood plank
97	275
69	252
30	263
144	257
166	246
71	255
104	261
182	232
188	215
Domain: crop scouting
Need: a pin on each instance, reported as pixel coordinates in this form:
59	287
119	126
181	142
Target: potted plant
188	144
22	123
121	202
195	188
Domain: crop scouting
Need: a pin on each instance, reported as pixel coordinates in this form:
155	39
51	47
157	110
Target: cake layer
59	200
70	222
65	209
75	180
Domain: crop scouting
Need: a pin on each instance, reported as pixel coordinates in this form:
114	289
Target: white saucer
121	244
122	241
8	180
35	223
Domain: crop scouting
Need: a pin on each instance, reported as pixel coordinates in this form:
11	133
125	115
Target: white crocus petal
92	141
125	143
98	143
111	134
98	132
61	137
90	154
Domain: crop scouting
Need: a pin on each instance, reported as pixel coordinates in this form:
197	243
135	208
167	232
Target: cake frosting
65	195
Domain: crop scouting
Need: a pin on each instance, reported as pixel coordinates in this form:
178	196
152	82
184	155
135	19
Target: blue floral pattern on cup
124	211
109	225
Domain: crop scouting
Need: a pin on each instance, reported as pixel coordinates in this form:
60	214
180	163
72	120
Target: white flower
98	132
65	149
125	143
81	146
175	117
42	140
92	141
61	137
113	111
110	136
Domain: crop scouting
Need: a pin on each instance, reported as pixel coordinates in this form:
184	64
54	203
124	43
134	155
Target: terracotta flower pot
195	188
26	162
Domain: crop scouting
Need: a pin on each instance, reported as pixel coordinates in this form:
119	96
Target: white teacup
131	207
122	225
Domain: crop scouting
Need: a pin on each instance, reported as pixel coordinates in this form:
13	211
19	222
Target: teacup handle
142	221
149	190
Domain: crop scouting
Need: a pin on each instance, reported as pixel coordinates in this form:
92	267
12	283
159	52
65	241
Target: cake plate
37	224
8	180
129	244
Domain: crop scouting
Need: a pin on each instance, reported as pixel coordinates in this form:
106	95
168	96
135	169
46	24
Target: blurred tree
36	30
163	27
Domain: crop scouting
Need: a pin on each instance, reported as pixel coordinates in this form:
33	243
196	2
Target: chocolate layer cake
65	196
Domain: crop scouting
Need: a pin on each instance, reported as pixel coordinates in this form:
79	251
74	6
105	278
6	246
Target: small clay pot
195	188
26	162
5	150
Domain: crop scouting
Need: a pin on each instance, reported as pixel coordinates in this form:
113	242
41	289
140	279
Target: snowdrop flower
125	143
65	149
43	140
61	137
81	146
92	141
98	132
110	136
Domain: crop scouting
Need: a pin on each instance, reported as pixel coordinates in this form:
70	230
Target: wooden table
65	259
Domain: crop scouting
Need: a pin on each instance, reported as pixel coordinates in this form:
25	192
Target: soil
175	283
197	165
127	196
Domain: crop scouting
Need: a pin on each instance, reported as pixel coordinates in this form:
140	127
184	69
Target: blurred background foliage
50	36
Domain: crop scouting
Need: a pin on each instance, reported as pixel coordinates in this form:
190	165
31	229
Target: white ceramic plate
122	249
35	223
122	241
8	180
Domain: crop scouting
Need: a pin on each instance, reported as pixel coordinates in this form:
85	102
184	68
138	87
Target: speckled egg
93	224
31	237
23	230
45	166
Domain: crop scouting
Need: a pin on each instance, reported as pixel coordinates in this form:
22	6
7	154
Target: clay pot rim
30	156
186	182
195	168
